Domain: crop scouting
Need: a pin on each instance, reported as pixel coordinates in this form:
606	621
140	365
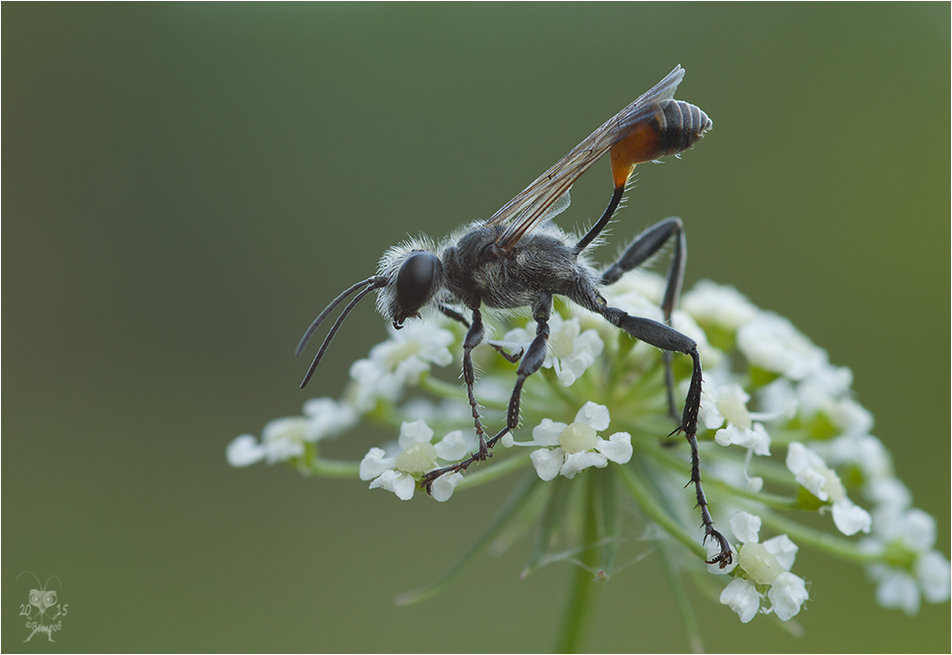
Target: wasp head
414	277
409	277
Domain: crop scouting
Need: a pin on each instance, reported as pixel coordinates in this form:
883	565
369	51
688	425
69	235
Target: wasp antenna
327	310
374	283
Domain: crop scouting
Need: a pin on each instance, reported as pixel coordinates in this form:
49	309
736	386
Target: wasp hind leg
642	248
668	339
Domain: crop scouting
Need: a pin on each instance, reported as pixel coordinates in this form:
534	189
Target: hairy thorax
542	262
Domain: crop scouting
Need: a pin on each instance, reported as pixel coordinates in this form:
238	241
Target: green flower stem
311	464
509	508
334	468
581	605
768	470
448	390
548	374
549	523
775	501
647	428
497	469
829	543
784	437
688	617
649	383
619	363
774	472
610	523
657	513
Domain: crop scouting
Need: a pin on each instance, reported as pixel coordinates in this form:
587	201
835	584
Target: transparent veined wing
540	201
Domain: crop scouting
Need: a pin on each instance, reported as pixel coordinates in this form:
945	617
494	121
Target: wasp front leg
474	336
529	364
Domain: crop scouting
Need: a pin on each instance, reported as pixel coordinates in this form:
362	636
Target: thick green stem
581	604
650	506
688	617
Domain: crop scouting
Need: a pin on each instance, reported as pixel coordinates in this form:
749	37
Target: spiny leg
667	338
474	335
642	248
531	362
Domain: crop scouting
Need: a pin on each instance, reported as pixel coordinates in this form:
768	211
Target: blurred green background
185	185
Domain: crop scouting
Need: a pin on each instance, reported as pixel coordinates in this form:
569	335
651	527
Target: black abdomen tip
685	124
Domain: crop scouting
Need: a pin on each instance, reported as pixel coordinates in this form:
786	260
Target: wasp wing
534	205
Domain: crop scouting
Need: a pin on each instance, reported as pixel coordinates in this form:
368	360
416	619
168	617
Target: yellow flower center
418	458
762	567
578	437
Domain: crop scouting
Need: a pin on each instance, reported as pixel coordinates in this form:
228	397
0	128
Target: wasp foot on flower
426	482
724	558
484	452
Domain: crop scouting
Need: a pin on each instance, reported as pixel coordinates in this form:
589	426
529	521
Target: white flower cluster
285	438
807	390
414	455
399	362
811	471
568	449
926	571
571	350
765	574
775	417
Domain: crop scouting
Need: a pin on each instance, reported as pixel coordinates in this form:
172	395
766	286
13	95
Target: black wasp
519	258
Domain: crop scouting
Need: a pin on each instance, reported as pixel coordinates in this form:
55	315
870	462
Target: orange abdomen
675	127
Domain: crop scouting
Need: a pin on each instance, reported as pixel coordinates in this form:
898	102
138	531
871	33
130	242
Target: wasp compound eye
417	280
